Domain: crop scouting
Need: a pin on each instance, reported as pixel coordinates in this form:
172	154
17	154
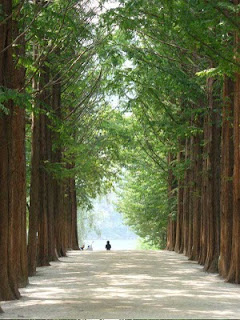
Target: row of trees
53	156
182	87
175	68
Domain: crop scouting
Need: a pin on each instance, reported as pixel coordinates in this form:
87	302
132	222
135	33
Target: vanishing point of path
125	285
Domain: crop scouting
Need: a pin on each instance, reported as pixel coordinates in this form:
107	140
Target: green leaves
171	47
22	100
133	89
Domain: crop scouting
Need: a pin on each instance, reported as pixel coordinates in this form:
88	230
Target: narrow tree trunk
34	199
191	178
205	191
213	217
179	221
56	158
226	179
69	212
75	245
44	99
186	199
171	234
59	188
234	270
35	186
196	197
61	226
67	217
50	199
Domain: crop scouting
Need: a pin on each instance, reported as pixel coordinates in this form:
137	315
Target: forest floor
125	285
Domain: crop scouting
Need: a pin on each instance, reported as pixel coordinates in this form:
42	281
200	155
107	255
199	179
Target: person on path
90	247
108	246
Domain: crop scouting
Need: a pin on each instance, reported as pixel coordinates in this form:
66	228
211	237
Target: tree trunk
213	167
234	269
12	169
61	221
226	179
34	210
34	198
59	188
205	191
171	234
19	163
75	245
44	99
50	198
186	199
196	196
191	178
179	221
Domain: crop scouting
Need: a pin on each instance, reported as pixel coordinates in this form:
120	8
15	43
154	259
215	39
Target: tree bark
59	188
171	234
186	200
213	167
75	245
179	221
50	198
226	210
44	100
34	210
191	176
196	196
234	269
12	169
19	162
205	191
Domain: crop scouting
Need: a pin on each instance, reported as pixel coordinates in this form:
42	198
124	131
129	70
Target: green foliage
143	245
66	40
165	50
144	204
20	99
133	89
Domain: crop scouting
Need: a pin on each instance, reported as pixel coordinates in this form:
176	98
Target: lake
116	244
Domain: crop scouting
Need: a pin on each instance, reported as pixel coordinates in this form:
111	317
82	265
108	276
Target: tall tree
234	269
13	272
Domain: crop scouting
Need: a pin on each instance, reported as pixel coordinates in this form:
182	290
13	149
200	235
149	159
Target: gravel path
125	285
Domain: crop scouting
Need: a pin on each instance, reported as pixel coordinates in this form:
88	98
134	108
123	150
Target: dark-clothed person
108	246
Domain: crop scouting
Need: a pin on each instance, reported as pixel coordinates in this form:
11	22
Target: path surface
125	285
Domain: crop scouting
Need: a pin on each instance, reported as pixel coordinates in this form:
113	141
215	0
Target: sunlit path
126	285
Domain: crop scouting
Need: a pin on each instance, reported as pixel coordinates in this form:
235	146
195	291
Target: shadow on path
126	285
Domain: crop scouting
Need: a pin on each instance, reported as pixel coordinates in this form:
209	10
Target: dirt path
125	285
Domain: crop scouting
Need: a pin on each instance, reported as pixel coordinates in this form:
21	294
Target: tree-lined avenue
143	99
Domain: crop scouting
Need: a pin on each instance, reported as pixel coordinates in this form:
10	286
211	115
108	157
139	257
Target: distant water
116	244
